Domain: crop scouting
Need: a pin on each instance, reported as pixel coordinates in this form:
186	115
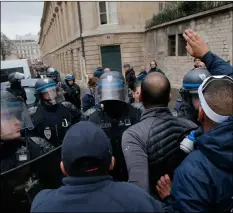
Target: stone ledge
194	16
113	30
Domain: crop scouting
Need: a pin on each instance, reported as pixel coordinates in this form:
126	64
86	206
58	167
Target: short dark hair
136	85
155	90
219	96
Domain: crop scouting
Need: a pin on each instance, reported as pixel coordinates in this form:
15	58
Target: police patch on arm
69	105
32	110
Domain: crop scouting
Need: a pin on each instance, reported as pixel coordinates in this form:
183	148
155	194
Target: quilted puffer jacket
151	147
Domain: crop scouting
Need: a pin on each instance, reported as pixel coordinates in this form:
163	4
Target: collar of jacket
75	181
217	144
156	112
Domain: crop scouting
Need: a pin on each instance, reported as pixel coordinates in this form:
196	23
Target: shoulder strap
42	143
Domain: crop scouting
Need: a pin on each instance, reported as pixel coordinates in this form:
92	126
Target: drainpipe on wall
83	70
81	28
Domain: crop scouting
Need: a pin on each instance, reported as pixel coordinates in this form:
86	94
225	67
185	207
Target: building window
161	6
172	45
176	42
108	12
181	46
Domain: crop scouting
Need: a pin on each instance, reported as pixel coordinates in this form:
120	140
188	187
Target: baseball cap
86	150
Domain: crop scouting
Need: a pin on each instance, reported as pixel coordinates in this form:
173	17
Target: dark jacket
98	73
36	147
51	123
95	194
88	99
130	78
204	180
72	94
141	76
114	128
151	148
156	70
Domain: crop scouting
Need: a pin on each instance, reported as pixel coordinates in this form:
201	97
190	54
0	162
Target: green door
111	57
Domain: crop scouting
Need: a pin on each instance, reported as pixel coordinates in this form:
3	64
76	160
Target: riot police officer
187	107
72	91
53	116
114	115
16	151
53	74
15	85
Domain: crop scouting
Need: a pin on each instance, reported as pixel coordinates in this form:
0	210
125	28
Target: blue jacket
204	180
216	65
95	194
141	76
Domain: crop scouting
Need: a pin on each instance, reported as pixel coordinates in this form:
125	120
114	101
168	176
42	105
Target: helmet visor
14	116
52	95
111	90
19	76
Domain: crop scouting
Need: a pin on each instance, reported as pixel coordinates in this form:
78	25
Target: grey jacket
150	147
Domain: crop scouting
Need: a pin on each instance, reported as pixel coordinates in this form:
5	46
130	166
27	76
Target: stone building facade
166	45
27	47
76	37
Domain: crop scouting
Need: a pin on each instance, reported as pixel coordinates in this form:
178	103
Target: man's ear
170	97
63	168
140	97
111	167
201	115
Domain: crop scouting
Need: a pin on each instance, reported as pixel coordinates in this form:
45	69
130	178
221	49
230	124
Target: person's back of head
155	91
107	70
92	82
216	100
137	90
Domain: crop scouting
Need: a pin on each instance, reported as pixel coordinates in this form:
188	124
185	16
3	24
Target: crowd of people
122	149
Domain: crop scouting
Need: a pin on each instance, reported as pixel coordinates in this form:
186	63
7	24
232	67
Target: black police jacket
72	94
52	124
36	147
22	180
114	130
183	110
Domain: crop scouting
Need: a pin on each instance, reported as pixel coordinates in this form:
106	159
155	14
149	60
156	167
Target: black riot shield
20	185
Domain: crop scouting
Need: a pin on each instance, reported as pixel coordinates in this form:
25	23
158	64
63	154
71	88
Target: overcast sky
20	18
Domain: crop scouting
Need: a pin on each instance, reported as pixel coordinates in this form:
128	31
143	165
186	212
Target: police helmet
111	86
51	72
69	77
46	90
14	116
191	81
15	77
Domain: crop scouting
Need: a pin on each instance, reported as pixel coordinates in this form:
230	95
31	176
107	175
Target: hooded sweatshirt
204	180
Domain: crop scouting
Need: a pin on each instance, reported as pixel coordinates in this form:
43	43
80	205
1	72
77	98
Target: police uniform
184	107
115	120
17	151
72	92
52	121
